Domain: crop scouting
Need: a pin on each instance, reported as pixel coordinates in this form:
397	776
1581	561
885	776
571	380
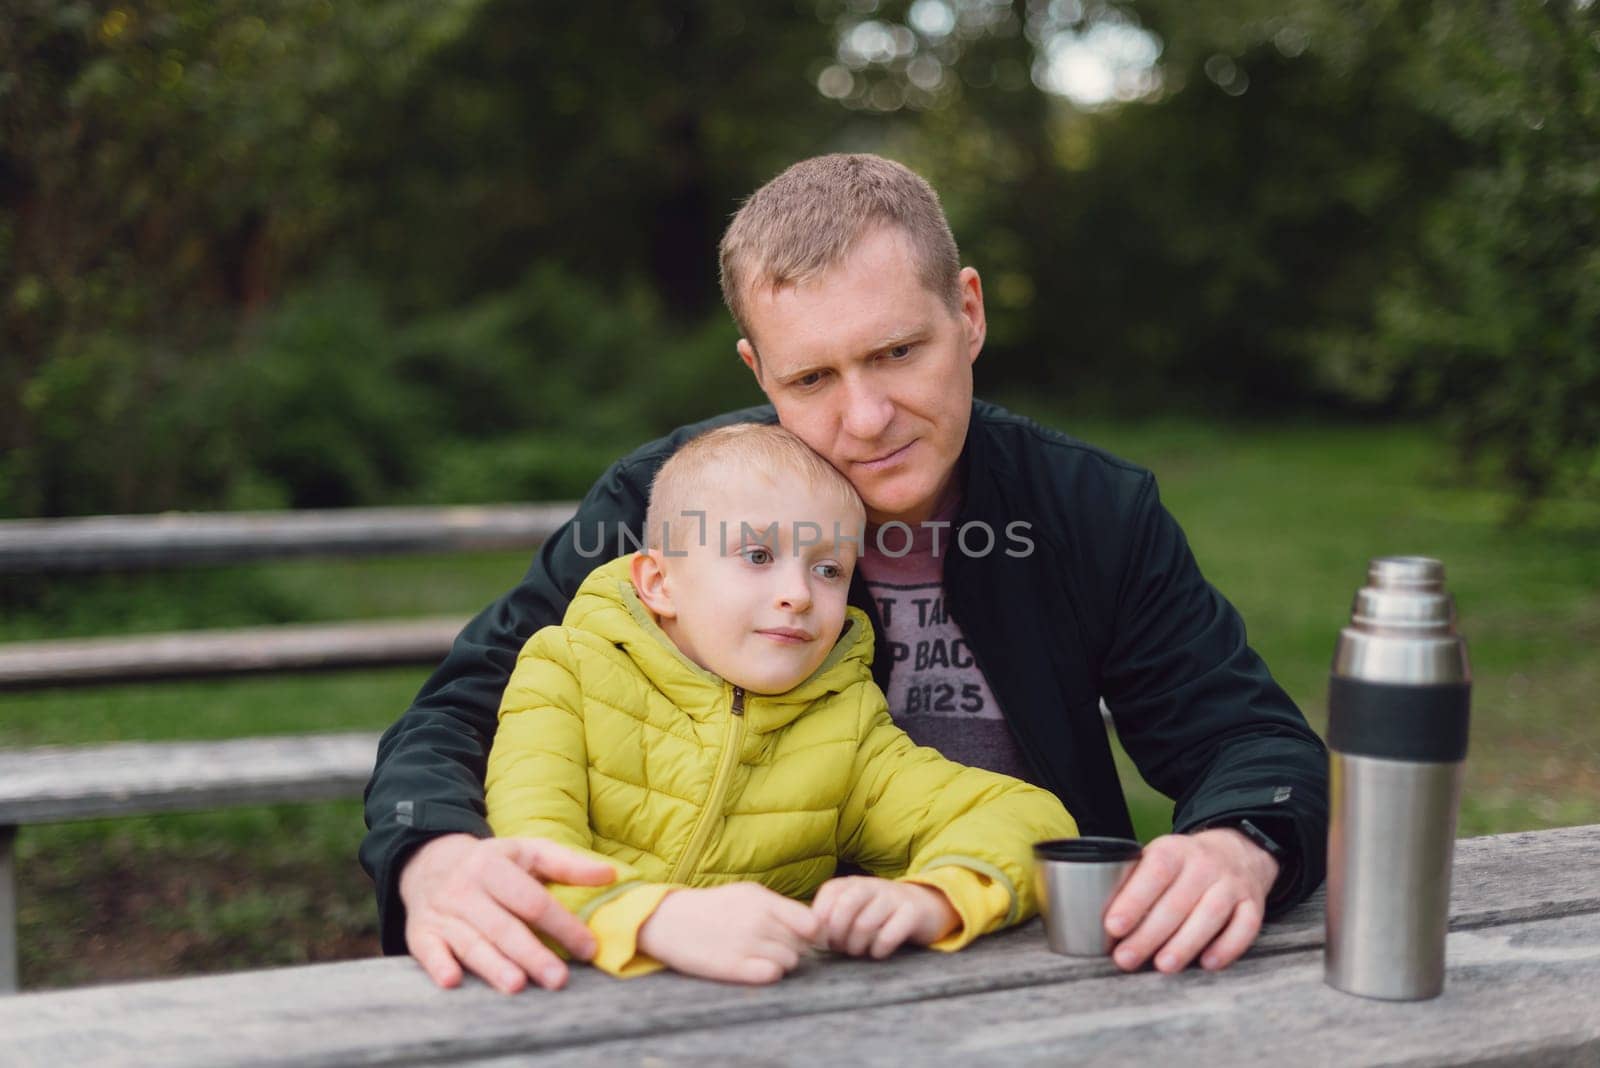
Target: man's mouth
887	458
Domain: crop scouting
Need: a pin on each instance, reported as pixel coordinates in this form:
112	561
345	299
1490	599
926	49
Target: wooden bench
61	783
1524	945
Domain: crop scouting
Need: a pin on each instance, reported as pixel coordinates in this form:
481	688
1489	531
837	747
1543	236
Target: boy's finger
893	934
757	971
868	923
796	917
784	954
843	918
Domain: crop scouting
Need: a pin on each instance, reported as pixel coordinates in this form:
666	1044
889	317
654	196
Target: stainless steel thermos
1397	737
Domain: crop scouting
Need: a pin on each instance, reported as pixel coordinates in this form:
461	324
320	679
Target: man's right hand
469	903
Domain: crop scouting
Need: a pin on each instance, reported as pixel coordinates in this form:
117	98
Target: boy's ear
650	582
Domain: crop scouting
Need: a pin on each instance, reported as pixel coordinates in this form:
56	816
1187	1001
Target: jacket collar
607	605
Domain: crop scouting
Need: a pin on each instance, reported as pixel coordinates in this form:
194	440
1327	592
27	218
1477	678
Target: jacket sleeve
912	813
428	779
538	786
1200	714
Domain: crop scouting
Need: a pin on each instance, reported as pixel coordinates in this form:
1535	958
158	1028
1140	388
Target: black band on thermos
1398	722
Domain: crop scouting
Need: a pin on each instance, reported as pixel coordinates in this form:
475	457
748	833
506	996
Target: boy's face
872	370
761	607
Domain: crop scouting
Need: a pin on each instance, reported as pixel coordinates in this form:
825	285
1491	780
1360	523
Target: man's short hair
693	478
809	218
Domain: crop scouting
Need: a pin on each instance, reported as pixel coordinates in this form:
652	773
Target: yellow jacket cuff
616	930
982	903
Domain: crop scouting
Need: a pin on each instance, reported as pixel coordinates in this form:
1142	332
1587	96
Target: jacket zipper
712	813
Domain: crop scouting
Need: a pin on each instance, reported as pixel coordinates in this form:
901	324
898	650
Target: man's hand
1192	892
739	933
859	914
469	902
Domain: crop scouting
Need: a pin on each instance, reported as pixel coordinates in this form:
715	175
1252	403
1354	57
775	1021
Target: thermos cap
1402	627
1406	572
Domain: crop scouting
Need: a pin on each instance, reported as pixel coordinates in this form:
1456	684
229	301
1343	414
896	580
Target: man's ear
976	323
650	582
747	353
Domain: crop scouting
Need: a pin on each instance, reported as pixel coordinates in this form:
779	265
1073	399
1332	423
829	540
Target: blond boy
705	722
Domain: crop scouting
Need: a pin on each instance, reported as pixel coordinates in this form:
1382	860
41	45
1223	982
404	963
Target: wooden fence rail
241	651
171	540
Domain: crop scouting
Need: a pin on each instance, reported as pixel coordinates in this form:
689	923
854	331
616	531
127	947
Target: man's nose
868	409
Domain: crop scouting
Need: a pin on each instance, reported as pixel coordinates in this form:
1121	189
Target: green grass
1281	518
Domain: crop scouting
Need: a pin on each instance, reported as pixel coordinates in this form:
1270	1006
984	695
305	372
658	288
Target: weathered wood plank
128	542
386	1011
249	650
1518	993
57	783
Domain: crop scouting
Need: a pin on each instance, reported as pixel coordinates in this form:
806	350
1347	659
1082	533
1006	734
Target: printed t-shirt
937	693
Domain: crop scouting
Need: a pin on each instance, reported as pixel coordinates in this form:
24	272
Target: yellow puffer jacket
613	742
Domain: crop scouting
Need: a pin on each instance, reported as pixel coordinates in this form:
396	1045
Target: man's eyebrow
894	338
798	373
899	337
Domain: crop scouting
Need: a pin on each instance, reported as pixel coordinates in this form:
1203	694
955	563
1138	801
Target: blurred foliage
319	254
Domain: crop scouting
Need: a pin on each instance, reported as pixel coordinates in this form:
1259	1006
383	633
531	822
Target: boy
706	721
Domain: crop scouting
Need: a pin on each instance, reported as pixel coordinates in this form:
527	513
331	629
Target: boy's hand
740	933
860	914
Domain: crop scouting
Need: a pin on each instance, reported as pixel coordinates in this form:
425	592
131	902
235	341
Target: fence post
8	910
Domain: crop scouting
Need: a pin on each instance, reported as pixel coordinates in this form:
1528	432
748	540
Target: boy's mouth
786	634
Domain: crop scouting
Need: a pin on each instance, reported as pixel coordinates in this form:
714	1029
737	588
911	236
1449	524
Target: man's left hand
1192	895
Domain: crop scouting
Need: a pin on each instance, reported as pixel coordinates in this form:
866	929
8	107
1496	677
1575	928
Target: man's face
873	371
760	599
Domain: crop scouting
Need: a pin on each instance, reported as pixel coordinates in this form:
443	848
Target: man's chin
908	508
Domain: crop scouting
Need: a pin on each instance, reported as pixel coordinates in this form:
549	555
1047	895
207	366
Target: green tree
1495	317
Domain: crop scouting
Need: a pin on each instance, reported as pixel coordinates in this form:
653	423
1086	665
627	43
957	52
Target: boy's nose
795	592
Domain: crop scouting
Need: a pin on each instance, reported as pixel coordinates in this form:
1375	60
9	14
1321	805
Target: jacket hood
608	606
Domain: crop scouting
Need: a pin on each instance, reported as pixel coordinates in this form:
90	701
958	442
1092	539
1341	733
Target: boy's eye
757	554
829	571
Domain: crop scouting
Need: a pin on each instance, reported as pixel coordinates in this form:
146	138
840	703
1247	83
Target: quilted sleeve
538	787
911	812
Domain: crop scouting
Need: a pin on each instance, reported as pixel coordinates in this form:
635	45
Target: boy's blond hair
691	480
808	219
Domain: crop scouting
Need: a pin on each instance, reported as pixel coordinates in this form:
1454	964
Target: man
1054	579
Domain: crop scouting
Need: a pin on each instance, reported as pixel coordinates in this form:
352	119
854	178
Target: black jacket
1108	603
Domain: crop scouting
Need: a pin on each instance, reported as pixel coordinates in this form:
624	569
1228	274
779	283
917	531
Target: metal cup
1075	879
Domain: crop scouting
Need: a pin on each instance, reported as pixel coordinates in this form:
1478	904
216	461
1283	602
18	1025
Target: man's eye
807	381
759	555
899	352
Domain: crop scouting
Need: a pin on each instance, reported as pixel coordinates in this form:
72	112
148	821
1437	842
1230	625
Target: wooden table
1523	987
